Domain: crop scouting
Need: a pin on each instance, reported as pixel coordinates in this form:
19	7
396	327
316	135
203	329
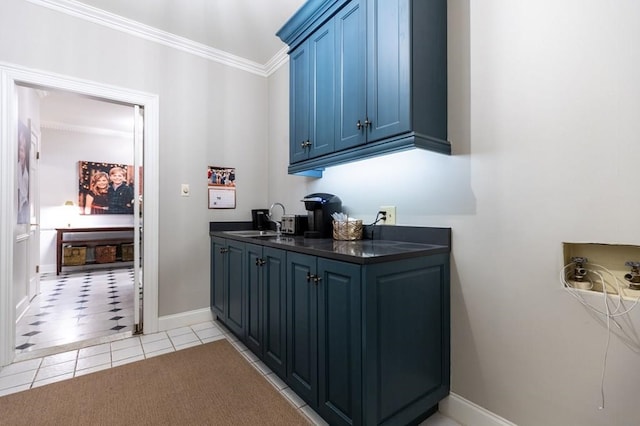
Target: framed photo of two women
105	188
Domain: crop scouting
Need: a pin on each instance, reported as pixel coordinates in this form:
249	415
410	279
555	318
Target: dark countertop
391	244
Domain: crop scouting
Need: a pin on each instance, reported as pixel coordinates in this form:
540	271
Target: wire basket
347	231
127	252
105	254
74	255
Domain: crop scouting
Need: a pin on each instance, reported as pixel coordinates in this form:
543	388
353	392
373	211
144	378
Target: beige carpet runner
211	384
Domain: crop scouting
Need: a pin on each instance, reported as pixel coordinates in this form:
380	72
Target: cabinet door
255	296
351	82
302	335
300	101
339	348
388	68
274	320
235	315
218	293
406	309
323	90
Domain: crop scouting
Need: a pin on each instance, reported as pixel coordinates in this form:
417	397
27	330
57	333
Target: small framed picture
221	182
222	198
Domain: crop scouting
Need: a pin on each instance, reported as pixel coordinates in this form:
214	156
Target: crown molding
278	60
96	131
138	29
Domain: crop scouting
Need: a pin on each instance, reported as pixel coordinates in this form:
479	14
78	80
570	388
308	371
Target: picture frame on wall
221	184
105	188
23	169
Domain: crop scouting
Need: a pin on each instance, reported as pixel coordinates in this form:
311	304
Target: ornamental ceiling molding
138	29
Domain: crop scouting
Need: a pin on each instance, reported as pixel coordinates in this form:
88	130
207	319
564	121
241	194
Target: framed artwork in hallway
105	188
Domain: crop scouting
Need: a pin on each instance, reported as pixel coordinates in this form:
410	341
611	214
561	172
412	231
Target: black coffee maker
259	219
319	207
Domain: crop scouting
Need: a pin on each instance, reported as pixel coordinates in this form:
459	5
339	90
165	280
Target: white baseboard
466	412
184	319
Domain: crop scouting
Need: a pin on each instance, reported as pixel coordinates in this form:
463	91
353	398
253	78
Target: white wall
544	100
210	114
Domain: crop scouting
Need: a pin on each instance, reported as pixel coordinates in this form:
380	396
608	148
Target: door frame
10	75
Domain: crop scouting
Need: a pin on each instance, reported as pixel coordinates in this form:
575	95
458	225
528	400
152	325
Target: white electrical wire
633	344
609	315
606	348
573	291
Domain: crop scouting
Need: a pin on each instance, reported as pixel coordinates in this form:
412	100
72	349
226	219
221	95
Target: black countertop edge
389	243
410	234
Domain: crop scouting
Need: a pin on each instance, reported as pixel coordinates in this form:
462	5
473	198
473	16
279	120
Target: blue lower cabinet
218	305
361	344
227	284
302	326
266	312
236	290
323	336
406	333
255	297
339	347
368	344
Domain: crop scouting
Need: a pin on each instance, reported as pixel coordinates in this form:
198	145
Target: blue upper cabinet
388	69
375	79
313	96
351	111
323	93
300	105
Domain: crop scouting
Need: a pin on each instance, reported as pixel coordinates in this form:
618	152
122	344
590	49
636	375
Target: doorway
12	257
87	299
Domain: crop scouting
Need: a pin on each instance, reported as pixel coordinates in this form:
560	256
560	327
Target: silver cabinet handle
366	124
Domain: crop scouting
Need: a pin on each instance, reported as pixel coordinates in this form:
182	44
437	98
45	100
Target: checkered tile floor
75	307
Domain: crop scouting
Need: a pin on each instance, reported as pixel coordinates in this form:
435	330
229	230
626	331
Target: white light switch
185	192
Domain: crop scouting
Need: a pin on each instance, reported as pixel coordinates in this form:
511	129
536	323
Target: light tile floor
31	373
36	372
73	329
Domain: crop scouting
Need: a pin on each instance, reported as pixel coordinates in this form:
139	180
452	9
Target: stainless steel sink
252	233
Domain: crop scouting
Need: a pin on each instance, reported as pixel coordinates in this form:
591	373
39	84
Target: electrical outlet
184	191
390	213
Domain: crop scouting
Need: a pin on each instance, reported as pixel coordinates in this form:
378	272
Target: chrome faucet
270	217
